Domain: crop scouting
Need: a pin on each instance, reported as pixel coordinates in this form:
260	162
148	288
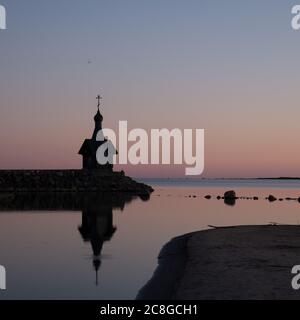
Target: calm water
51	249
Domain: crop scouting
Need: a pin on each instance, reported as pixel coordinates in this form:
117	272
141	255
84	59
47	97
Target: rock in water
230	194
271	198
230	201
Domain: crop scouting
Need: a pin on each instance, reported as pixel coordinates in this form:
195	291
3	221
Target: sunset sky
229	67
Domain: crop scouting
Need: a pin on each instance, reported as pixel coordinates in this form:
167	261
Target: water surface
52	253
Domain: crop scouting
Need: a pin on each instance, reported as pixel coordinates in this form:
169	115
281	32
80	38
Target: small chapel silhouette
89	147
96	174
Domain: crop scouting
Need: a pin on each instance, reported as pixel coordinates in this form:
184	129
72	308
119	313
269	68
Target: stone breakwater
69	181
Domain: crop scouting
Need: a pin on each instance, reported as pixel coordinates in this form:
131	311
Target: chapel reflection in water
96	218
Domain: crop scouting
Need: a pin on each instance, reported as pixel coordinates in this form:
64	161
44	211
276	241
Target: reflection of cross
99	98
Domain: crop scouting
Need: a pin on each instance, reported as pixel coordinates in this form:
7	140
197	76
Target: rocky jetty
69	181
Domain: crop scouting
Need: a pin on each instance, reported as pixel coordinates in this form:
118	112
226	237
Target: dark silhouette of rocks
68	181
230	201
271	198
230	194
230	198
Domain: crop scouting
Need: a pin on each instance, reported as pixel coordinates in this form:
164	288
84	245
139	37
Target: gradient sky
230	67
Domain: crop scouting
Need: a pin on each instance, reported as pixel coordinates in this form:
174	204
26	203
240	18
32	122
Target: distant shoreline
280	178
215	179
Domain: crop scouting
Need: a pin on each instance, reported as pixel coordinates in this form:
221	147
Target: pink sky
189	67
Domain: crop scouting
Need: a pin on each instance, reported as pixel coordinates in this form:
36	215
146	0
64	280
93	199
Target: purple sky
228	67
